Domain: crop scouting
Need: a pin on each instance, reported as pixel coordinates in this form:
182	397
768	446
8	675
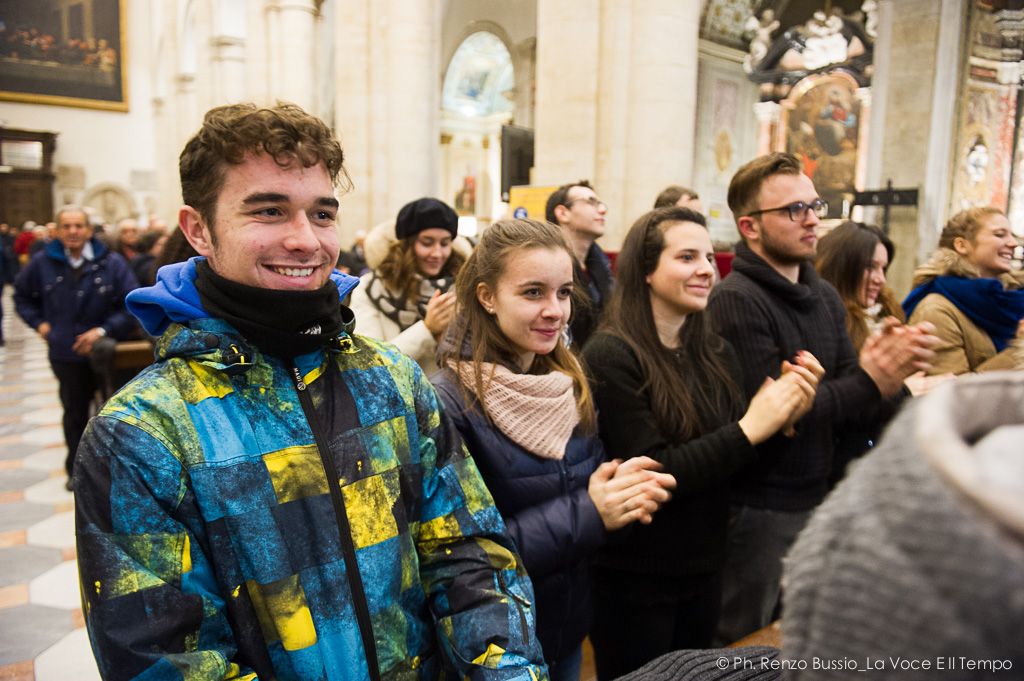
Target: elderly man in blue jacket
72	293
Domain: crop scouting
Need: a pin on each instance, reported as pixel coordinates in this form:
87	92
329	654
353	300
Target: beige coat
963	346
416	341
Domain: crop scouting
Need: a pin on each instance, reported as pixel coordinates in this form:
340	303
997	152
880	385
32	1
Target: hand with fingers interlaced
629	491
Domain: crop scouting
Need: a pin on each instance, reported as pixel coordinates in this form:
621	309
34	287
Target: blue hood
174	298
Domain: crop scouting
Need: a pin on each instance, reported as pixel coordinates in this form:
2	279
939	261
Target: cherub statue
762	31
870	9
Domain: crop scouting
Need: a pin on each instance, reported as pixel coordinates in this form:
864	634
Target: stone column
568	58
228	68
292	23
616	100
189	118
388	84
918	55
227	52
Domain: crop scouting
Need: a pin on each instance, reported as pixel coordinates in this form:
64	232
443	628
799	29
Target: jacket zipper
355	578
564	474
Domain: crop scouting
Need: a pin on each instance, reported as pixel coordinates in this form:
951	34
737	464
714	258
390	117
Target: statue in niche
870	10
762	31
824	44
976	163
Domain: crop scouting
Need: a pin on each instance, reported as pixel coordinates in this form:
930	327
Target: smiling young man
72	293
276	497
771	307
581	214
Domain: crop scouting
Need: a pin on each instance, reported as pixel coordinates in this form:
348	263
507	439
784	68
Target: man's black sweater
768	319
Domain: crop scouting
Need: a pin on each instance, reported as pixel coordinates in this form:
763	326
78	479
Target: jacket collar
54	250
174	298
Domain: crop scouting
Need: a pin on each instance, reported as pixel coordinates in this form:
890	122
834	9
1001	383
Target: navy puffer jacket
547	510
48	290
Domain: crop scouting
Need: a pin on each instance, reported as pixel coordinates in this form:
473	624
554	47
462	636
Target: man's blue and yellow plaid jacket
213	544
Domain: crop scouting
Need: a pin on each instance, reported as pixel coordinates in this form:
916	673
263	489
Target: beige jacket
963	346
416	341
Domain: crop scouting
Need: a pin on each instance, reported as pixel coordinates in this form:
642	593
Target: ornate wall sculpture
814	83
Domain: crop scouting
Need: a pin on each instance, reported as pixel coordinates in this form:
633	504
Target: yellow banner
526	201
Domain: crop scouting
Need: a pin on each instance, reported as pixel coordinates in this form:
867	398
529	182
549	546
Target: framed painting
64	52
822	126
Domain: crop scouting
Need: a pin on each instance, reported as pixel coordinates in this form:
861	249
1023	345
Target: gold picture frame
64	53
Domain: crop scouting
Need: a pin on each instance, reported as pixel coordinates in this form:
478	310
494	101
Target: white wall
108	145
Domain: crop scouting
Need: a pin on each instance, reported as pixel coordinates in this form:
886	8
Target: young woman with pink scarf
523	406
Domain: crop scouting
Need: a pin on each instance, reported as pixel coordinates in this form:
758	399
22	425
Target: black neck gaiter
280	323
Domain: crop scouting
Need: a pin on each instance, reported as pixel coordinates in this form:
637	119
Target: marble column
616	100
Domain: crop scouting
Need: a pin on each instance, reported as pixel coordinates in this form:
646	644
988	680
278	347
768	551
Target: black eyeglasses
593	201
798	211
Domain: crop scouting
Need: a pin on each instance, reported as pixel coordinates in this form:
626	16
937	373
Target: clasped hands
897	352
629	491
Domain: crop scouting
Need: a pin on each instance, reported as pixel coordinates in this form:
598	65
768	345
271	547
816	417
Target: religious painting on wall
821	126
63	53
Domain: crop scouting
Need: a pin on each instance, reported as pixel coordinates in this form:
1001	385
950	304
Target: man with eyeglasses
772	307
580	213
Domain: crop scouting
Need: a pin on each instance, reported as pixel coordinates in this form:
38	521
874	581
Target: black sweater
688	533
769	319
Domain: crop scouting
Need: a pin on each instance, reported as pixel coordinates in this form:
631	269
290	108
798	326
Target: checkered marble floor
42	632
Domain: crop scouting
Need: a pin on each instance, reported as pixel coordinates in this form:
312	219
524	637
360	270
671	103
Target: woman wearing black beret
404	299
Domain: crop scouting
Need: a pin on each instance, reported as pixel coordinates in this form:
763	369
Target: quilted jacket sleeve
151	603
559	531
478	590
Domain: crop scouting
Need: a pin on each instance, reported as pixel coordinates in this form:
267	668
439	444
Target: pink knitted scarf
538	413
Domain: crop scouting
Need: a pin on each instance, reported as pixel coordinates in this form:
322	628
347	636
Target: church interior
903	112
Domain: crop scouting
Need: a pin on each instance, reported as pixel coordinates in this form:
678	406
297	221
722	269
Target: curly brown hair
230	133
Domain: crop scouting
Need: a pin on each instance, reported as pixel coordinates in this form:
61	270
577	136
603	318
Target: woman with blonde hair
405	298
969	291
522	403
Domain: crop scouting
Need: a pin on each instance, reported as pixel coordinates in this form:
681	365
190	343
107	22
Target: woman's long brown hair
844	255
675	397
399	270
